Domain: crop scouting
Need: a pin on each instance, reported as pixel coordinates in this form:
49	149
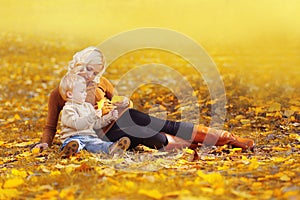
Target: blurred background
218	21
257	42
256	47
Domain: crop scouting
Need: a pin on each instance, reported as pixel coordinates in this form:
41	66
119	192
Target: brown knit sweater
56	104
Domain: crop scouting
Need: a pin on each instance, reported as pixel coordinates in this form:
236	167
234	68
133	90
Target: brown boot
178	143
235	141
210	136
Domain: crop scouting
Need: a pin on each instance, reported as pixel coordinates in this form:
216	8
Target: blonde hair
67	84
89	55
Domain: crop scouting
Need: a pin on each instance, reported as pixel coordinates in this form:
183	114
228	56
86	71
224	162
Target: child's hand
111	116
98	113
115	115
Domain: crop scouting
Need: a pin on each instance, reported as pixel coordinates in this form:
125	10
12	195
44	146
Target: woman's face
90	71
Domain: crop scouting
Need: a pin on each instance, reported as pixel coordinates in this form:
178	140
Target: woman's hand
41	146
122	104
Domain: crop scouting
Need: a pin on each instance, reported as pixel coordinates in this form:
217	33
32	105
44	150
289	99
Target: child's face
79	92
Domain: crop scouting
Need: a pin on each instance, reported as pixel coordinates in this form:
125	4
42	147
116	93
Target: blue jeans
89	143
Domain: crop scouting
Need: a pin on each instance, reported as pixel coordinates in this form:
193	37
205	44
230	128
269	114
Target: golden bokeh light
216	21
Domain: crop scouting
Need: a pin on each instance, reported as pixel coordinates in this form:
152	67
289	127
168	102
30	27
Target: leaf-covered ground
263	103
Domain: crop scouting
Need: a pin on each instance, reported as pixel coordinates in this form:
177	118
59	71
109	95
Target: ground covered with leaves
263	103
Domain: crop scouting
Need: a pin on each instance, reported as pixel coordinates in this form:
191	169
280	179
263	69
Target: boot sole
69	150
120	146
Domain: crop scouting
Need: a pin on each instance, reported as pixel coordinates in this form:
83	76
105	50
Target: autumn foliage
263	103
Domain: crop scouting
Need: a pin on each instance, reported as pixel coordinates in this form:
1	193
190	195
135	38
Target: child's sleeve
101	122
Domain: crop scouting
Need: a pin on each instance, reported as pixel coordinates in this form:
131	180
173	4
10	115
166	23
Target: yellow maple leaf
278	159
215	179
67	193
155	194
117	99
254	164
130	184
9	193
55	173
35	150
295	136
13	183
189	151
48	195
285	178
17	117
259	110
20	173
100	104
182	193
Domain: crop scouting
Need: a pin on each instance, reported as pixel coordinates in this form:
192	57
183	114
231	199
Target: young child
79	119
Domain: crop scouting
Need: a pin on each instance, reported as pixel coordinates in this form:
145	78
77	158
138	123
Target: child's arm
70	118
106	119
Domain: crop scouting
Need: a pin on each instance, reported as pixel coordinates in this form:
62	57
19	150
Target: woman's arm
104	89
55	105
98	91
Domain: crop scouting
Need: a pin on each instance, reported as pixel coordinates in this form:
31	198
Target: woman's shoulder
106	86
55	98
104	81
55	92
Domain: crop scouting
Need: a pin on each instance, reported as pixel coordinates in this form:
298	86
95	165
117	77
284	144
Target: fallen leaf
285	178
9	193
13	183
154	194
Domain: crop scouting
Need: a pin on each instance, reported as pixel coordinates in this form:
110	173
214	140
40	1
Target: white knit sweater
80	119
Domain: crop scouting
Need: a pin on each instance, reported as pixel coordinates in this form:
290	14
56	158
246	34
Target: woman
139	127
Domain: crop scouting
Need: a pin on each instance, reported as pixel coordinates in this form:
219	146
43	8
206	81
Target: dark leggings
144	129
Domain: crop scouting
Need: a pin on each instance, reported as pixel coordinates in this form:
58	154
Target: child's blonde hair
67	84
